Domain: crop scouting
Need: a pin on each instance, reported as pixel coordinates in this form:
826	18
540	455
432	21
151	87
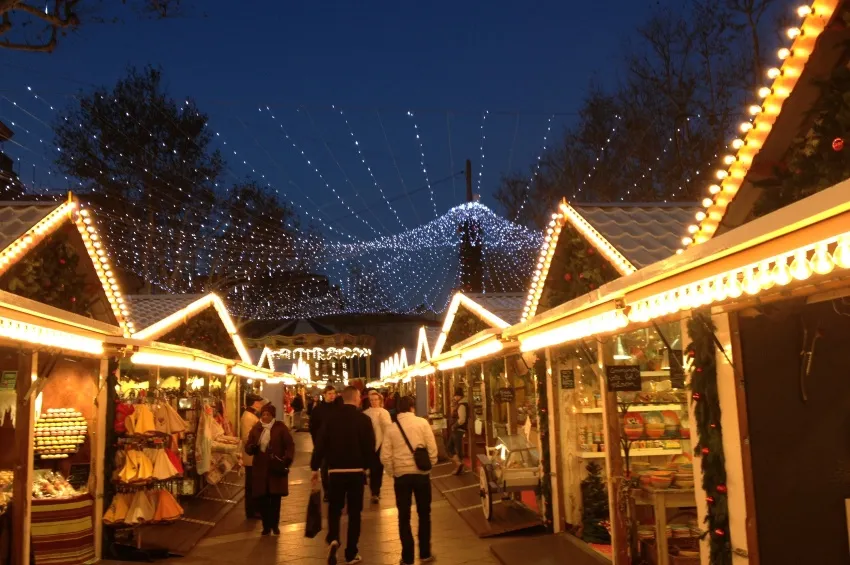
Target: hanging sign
7	380
677	368
506	395
568	379
623	378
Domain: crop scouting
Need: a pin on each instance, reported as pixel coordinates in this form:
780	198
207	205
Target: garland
205	332
543	432
709	448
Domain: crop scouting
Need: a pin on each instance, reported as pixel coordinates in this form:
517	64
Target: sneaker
375	499
428	559
334	545
357	559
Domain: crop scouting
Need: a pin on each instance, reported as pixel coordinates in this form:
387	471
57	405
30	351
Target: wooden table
661	500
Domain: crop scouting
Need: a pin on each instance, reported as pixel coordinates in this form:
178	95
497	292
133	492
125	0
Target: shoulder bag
420	454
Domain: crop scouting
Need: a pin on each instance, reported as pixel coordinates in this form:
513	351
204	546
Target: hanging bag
420	454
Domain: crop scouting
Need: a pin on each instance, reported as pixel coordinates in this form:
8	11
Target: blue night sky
447	62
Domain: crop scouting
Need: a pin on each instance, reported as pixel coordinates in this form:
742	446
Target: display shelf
633	453
637	408
650	374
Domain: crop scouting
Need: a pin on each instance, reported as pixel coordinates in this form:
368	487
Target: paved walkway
235	540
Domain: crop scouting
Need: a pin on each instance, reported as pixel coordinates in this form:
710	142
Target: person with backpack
460	423
408	452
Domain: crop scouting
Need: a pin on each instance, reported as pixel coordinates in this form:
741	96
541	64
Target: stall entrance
797	409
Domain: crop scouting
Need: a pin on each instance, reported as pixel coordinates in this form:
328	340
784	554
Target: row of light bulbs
764	115
537	164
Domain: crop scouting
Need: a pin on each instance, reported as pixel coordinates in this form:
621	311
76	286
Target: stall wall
800	449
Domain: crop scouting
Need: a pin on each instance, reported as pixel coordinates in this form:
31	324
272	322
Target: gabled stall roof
628	236
164	313
764	140
482	313
24	225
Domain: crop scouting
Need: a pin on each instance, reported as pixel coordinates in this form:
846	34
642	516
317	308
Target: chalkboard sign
568	379
79	475
7	380
624	378
677	368
506	395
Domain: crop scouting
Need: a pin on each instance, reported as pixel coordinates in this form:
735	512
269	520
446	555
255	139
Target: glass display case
513	465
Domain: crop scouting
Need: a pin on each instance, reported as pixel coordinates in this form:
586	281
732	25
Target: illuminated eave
458	300
544	262
729	180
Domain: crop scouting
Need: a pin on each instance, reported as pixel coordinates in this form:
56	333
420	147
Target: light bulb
841	255
781	273
764	92
804	11
719	291
733	287
751	283
764	277
800	267
729	159
700	216
721	174
737	143
745	127
793	32
822	262
693	228
773	73
714	189
783	53
707	202
755	109
687	241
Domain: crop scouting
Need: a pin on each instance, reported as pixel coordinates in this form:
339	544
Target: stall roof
148	309
30	223
643	233
172	311
779	117
505	305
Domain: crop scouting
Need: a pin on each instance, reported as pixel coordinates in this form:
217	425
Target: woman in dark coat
273	449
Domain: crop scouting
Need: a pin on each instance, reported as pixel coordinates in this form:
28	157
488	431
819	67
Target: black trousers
376	474
251	507
326	485
455	445
270	510
408	487
346	490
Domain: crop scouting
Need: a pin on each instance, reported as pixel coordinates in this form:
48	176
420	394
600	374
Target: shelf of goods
59	433
636	408
654	452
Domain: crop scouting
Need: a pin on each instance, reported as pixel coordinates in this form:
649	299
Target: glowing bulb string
536	170
369	169
316	170
422	160
481	150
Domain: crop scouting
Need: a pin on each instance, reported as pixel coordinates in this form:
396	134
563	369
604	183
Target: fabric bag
420	454
314	515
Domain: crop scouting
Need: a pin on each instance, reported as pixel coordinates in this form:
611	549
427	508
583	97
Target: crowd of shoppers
355	437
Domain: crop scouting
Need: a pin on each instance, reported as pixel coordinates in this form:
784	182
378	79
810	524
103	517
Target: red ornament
709	499
719	532
590	251
581	275
61	261
705	451
73	299
837	144
721	489
592	286
695	396
568	277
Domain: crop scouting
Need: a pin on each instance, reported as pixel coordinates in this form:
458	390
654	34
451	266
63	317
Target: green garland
543	431
49	274
706	402
205	332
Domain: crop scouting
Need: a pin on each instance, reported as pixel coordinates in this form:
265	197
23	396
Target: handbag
314	515
420	454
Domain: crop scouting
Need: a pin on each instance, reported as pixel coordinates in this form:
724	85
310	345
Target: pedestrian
320	413
400	440
347	442
253	404
311	401
380	421
460	423
297	408
366	400
273	449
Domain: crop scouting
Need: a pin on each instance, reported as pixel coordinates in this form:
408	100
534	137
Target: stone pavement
235	540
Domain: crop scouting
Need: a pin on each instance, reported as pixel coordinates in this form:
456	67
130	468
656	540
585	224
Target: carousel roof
303	327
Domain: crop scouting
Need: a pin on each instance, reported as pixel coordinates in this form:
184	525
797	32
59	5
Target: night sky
447	62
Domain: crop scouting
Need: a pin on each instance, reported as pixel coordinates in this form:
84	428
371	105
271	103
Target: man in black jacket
347	443
320	414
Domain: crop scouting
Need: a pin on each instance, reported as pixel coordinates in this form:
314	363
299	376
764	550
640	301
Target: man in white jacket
380	421
410	482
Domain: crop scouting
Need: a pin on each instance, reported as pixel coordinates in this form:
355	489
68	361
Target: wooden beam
614	465
22	486
470	419
99	455
556	463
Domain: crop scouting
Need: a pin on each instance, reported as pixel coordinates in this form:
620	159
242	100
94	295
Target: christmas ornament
719	532
837	144
706	451
568	277
709	499
721	489
695	396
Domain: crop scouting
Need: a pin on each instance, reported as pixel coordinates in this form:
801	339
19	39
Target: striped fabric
62	531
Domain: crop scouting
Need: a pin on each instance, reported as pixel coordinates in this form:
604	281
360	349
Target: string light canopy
755	131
